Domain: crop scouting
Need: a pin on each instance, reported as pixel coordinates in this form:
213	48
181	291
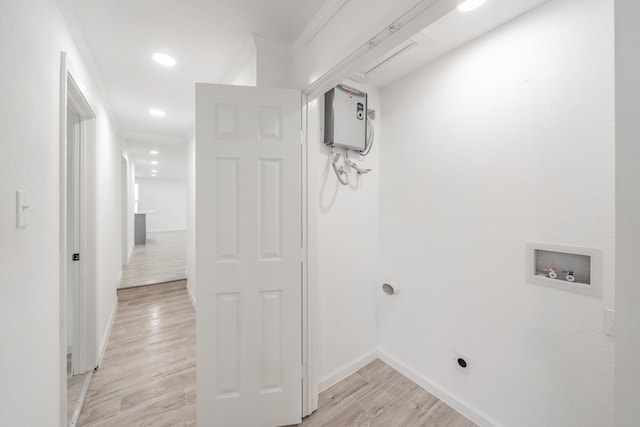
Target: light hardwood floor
379	396
162	259
74	387
148	376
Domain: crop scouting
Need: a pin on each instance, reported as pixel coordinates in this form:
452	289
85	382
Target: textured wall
508	139
168	199
343	252
32	36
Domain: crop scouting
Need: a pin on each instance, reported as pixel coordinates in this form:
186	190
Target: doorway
78	248
124	207
74	214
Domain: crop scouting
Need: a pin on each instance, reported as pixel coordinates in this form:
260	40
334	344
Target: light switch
610	322
22	209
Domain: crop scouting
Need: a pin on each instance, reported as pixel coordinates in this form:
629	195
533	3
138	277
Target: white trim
309	381
119	279
457	403
107	333
595	259
191	297
346	370
77	409
62	303
163	230
70	14
85	300
317	23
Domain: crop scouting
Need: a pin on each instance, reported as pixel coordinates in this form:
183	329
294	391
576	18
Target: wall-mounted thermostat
345	118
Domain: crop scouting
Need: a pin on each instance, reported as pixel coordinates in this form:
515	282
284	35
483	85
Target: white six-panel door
248	256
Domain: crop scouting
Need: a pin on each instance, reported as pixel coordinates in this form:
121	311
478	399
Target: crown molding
70	15
317	23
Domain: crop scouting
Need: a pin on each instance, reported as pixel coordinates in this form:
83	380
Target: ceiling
205	36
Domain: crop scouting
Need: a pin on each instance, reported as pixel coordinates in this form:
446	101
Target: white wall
131	177
273	64
109	224
262	63
32	35
247	75
506	140
191	217
343	253
168	198
627	378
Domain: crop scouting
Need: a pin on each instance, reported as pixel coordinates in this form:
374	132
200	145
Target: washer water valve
551	272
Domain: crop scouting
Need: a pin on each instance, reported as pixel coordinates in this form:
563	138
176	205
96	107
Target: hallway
148	375
161	259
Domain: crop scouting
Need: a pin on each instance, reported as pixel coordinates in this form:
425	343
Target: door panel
248	256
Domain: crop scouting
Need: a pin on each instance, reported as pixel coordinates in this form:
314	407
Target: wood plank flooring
148	376
379	396
162	259
74	387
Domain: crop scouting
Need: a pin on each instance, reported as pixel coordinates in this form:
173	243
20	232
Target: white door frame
85	302
124	205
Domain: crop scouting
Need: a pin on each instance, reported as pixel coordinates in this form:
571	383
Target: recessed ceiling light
163	59
156	113
470	5
153	152
154	162
153	171
153	174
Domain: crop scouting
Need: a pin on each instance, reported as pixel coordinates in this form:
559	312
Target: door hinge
302	137
75	257
305	372
303	254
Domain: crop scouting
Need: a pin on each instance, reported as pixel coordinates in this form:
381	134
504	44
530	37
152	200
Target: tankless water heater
345	118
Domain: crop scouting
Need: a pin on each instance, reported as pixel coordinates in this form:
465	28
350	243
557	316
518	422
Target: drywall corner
346	370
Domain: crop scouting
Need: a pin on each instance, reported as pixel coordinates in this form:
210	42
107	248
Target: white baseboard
107	333
346	370
119	281
163	230
191	297
460	405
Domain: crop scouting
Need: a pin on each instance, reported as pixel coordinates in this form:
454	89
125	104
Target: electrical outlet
462	360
